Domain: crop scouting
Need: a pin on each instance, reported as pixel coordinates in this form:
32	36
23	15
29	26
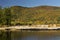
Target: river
30	35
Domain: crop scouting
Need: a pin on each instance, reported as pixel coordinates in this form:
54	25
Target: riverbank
30	28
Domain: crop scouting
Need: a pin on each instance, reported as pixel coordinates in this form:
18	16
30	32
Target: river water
29	35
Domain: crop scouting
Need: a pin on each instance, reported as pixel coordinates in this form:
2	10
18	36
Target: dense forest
18	15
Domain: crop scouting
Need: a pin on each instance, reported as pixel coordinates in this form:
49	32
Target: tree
58	20
8	16
1	16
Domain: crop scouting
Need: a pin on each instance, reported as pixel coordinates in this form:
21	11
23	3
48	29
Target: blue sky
29	3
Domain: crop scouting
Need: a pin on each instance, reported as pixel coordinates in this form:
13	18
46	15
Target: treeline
5	16
17	15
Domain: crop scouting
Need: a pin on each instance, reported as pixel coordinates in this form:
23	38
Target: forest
18	15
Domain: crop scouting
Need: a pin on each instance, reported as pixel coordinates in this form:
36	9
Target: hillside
35	15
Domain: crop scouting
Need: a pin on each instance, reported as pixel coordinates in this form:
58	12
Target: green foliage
24	16
7	16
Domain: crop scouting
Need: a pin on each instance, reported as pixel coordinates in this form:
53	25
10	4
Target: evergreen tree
8	16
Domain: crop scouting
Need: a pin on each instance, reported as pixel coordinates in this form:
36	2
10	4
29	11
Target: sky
29	3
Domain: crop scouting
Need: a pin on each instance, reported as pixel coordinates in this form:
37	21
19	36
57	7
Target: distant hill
35	15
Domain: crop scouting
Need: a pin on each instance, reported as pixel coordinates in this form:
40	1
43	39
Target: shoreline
14	28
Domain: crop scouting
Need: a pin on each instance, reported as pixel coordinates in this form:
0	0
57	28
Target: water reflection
19	35
40	38
8	35
5	35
